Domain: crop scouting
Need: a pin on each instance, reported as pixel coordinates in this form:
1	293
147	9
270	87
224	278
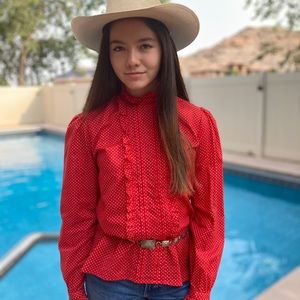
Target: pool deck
32	129
273	170
266	164
287	288
20	129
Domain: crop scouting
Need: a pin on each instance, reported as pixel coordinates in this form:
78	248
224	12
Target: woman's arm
78	206
207	225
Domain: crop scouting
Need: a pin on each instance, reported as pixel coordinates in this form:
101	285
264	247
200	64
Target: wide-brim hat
181	21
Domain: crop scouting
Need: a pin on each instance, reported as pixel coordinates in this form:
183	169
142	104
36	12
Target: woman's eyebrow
116	42
146	39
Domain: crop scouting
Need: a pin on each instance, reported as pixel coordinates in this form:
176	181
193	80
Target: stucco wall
20	106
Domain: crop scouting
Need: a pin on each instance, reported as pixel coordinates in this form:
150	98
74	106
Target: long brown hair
106	84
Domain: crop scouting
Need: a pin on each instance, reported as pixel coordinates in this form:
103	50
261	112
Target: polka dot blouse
116	191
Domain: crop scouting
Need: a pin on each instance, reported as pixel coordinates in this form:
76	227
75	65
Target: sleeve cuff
77	296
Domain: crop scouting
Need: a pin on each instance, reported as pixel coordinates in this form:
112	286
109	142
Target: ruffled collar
149	97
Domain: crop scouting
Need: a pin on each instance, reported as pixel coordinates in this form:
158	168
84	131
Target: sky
219	19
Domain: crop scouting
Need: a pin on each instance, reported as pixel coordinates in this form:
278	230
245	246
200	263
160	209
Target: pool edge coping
287	288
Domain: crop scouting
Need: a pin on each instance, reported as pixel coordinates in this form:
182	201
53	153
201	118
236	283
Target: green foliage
284	11
231	71
266	48
3	81
36	42
296	56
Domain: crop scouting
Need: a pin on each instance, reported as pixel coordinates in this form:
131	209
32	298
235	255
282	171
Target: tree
36	42
285	12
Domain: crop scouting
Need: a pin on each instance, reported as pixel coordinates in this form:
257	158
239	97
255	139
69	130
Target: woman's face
135	55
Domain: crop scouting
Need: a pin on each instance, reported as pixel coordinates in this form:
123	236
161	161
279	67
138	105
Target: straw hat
181	21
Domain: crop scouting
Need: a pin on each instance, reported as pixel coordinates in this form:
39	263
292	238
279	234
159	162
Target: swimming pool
262	224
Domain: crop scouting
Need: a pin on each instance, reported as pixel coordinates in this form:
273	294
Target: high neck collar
149	97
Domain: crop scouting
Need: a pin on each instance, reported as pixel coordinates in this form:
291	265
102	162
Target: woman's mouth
134	75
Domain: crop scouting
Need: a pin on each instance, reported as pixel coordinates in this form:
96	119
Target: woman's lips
135	75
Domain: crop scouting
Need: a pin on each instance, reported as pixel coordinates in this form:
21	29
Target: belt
151	244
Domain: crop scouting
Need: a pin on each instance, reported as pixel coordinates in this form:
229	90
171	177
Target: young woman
142	194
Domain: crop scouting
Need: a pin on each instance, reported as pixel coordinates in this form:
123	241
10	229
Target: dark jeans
99	289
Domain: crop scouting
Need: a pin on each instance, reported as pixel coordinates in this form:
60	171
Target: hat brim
182	23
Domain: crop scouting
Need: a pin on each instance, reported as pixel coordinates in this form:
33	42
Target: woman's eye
118	49
146	46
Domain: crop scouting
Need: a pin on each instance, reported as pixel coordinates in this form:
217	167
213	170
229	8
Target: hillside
254	49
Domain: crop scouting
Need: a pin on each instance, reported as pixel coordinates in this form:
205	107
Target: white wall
237	106
21	105
62	102
282	135
264	122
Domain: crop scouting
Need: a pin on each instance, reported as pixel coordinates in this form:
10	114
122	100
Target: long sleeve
207	225
78	206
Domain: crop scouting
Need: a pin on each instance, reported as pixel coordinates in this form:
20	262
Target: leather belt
151	244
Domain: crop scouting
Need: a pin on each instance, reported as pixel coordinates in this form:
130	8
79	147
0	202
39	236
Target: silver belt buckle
148	244
165	243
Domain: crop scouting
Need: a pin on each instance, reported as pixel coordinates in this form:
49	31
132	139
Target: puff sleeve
207	225
78	206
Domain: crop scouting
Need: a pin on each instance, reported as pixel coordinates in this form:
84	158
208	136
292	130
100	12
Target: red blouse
116	190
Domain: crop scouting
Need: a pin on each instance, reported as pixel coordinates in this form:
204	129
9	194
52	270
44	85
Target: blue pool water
262	224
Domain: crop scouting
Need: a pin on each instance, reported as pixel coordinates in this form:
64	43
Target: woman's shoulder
98	116
192	112
90	124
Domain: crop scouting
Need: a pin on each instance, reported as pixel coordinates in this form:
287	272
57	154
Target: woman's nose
132	58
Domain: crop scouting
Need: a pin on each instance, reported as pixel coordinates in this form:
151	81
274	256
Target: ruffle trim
128	170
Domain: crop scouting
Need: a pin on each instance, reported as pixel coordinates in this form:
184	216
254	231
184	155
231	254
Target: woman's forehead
130	29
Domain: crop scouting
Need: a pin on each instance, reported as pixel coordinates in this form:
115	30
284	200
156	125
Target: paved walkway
287	288
271	170
31	128
266	164
20	129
